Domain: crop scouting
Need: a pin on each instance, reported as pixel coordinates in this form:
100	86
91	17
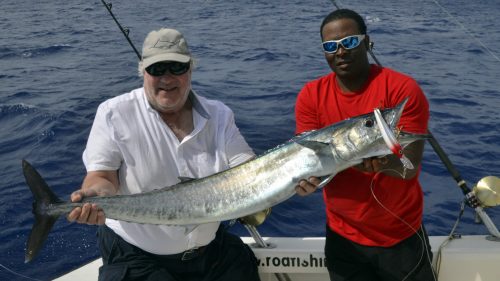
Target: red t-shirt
352	210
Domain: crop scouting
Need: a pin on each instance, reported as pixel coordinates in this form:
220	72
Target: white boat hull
469	258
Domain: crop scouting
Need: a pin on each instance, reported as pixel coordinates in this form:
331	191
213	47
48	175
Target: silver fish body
245	189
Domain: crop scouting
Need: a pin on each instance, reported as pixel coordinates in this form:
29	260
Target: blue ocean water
60	59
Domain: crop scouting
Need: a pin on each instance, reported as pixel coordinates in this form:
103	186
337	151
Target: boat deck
469	258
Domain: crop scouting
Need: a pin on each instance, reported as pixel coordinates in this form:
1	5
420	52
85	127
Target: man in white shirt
147	139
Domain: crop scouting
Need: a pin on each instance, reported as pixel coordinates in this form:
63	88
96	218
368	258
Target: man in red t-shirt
374	210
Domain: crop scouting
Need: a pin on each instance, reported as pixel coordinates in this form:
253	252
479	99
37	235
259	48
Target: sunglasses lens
160	68
350	42
178	68
330	46
157	69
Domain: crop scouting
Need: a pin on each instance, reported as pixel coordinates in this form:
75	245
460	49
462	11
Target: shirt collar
197	105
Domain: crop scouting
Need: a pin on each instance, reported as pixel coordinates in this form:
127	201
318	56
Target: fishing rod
433	141
125	31
371	43
470	196
249	222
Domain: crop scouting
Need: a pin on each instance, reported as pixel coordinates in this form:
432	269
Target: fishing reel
255	219
487	191
250	222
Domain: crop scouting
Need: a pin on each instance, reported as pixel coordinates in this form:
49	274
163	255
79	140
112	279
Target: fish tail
43	196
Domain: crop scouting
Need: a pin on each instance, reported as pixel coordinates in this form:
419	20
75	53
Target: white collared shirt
129	136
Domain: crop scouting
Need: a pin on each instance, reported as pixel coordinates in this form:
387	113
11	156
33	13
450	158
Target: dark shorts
407	260
225	258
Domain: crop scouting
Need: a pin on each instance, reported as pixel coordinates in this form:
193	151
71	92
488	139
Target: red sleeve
415	116
306	113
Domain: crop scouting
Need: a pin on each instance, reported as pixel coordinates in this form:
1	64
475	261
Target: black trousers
226	258
407	260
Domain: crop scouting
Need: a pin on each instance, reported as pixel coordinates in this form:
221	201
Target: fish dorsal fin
182	180
185	179
302	135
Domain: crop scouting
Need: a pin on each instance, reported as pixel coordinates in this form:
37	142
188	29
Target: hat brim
165	57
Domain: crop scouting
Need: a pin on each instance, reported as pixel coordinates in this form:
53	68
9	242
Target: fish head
360	137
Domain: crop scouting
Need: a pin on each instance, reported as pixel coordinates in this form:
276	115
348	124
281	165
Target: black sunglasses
160	68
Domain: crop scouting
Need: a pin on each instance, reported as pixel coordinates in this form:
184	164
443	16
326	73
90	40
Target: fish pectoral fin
189	228
324	180
313	145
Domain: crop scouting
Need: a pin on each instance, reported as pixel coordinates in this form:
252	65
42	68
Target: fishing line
471	199
370	49
18	274
467	31
335	4
444	158
125	32
450	237
425	249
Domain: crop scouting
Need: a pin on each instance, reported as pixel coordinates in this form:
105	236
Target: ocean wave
255	56
7	52
16	109
266	55
475	51
6	76
43	51
458	100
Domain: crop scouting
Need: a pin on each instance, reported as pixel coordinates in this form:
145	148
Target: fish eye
369	123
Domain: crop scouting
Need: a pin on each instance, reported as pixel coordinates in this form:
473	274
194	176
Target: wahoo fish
237	192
